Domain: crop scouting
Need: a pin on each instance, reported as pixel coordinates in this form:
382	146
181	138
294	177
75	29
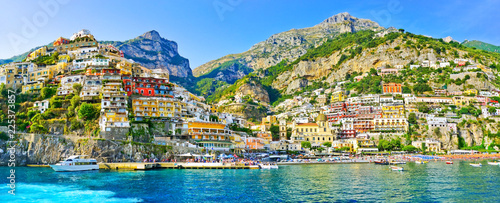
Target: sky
209	29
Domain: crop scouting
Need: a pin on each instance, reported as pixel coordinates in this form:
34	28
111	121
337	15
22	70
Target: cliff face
290	44
51	149
152	51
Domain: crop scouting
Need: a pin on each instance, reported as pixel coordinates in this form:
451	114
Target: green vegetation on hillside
482	45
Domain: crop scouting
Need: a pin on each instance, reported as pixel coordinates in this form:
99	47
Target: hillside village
85	91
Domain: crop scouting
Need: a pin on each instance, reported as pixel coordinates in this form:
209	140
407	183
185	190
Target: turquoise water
432	182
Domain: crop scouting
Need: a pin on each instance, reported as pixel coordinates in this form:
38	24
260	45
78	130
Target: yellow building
210	135
32	87
14	75
41	74
125	67
214	108
157	107
463	101
338	96
390	125
471	92
269	120
59	68
393	111
42	51
238	143
316	133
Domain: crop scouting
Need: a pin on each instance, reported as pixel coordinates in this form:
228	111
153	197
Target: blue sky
208	29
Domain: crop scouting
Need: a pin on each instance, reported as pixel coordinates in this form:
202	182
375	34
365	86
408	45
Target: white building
434	121
41	105
67	84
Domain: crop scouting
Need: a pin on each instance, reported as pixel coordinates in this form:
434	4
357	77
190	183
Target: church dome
321	117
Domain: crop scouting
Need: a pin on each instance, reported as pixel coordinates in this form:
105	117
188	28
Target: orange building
254	143
60	41
264	135
210	135
392	88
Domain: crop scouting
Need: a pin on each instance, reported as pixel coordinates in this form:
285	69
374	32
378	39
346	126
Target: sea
431	182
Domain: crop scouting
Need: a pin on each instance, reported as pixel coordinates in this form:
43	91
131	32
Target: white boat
76	163
476	165
494	163
421	162
268	166
396	168
397	162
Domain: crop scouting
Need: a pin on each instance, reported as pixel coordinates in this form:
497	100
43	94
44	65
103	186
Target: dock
170	165
38	165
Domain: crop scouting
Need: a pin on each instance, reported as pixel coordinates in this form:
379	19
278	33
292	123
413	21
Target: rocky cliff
152	51
51	149
290	44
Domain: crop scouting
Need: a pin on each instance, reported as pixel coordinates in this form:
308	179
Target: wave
58	193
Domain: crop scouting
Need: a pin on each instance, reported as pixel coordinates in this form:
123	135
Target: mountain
287	45
152	51
481	45
364	53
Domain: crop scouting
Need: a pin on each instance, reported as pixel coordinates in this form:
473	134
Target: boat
476	165
396	168
421	162
268	166
397	162
449	162
381	162
76	163
494	163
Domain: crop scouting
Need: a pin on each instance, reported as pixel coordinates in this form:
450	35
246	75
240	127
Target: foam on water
58	193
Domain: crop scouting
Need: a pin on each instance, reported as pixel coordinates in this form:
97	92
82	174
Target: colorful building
316	133
392	88
338	96
210	135
157	108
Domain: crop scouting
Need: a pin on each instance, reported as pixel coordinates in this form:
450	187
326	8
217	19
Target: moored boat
397	162
76	163
449	162
421	162
396	168
494	163
381	162
476	165
268	166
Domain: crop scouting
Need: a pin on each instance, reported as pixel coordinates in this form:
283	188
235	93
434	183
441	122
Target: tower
282	129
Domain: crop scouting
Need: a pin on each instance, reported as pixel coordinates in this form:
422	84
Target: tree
373	71
75	101
327	144
437	132
423	107
275	131
412	118
305	145
77	87
401	30
213	118
37	124
424	147
406	90
46	92
88	111
410	148
492	110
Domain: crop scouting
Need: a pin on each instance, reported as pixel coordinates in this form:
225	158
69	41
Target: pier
169	165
